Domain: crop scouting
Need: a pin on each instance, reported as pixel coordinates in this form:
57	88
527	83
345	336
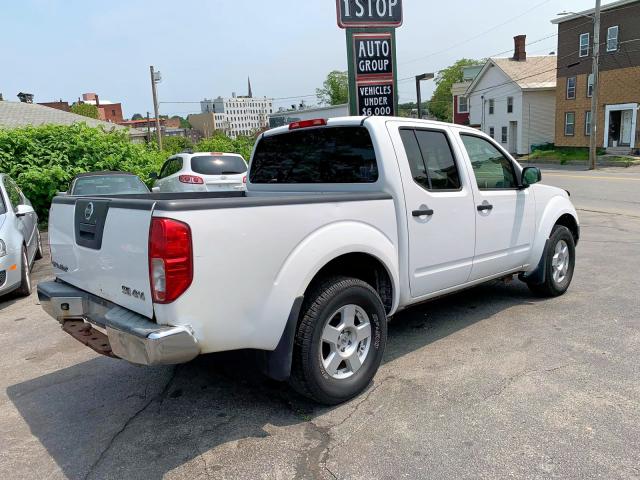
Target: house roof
534	73
603	8
20	114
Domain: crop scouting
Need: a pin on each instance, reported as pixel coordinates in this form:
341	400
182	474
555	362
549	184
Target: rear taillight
170	259
316	122
244	179
191	179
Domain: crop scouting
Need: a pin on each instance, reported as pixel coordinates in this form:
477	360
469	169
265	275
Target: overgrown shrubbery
44	159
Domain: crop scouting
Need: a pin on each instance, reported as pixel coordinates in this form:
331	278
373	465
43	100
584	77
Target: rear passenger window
430	159
316	155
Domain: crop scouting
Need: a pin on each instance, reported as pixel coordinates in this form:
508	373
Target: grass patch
564	154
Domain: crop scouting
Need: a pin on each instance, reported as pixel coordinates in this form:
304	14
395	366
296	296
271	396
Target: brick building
107	110
619	80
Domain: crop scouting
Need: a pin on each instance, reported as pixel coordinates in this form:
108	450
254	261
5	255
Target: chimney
97	100
520	52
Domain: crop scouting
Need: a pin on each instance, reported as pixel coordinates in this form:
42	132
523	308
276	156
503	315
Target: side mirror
22	210
153	176
155	189
530	175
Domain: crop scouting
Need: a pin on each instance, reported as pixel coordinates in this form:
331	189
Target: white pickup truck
344	223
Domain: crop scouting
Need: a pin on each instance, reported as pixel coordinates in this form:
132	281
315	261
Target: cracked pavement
488	383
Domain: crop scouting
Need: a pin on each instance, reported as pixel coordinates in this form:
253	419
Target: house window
571	87
509	104
584	45
612	39
587	123
590	85
505	135
491	106
463	105
492	132
569	124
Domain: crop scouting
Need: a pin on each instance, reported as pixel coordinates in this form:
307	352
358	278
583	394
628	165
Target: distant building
458	90
244	115
513	99
618	129
107	110
21	114
64	106
286	117
207	124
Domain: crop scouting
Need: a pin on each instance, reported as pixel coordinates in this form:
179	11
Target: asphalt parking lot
488	383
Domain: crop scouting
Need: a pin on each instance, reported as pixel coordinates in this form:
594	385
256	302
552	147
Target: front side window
584	45
463	106
505	135
491	106
590	85
571	88
569	124
612	39
430	159
316	155
587	123
509	104
492	169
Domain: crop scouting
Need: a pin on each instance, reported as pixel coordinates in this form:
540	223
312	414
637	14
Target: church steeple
250	93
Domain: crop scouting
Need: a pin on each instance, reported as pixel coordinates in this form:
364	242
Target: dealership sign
376	98
373	55
369	13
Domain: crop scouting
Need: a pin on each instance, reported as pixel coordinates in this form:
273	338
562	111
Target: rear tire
24	289
339	341
559	261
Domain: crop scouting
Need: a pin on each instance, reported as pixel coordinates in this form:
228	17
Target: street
489	383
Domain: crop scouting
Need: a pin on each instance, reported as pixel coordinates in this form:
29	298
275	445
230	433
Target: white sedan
20	243
202	172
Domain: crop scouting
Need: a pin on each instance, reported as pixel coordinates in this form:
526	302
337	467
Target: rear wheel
25	285
340	340
560	259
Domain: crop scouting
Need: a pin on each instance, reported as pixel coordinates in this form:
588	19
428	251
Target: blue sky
62	48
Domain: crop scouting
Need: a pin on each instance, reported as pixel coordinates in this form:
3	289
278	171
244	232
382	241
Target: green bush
44	159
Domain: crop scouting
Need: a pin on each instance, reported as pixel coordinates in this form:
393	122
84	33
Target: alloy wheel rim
560	262
346	341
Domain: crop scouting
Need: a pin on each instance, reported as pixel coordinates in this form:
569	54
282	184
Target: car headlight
3	249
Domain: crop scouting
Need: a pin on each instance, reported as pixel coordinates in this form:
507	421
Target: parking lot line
591	177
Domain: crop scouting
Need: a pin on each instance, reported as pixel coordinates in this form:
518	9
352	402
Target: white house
513	99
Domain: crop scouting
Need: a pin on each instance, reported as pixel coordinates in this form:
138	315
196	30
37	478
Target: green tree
175	144
440	105
136	116
335	89
85	109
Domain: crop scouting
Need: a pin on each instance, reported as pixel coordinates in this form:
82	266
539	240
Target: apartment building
619	79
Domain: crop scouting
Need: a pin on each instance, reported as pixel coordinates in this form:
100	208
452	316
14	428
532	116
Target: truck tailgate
101	245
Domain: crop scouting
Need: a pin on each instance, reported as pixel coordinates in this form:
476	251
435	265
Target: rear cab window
108	185
218	165
341	154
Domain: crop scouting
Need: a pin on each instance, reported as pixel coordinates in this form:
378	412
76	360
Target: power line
478	35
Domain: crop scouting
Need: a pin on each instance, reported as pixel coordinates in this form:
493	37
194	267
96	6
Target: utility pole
148	128
419	78
155	78
594	94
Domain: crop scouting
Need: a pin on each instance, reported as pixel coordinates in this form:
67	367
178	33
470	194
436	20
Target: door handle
421	213
485	206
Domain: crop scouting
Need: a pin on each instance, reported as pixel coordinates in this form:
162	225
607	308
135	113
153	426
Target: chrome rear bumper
131	336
